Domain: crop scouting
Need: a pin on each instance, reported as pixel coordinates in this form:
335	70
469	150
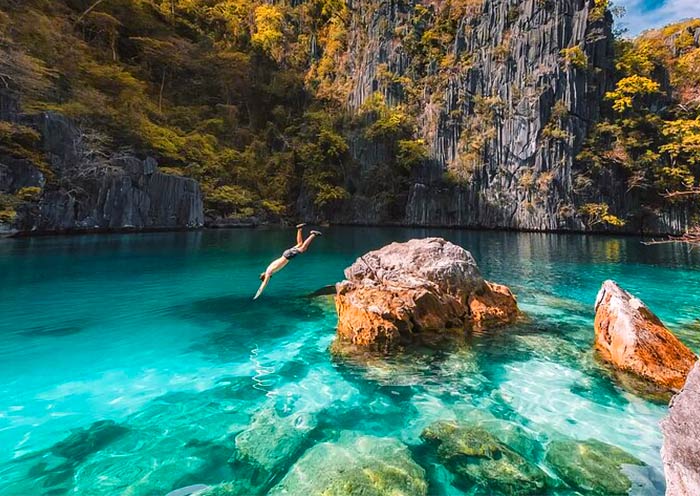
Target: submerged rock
323	291
85	442
407	291
477	457
271	440
591	466
681	448
235	488
355	465
633	339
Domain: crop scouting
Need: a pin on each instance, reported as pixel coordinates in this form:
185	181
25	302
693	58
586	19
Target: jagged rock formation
85	187
504	114
681	448
505	85
633	339
406	292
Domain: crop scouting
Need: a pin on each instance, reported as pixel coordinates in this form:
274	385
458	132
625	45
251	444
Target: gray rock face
94	189
450	267
504	111
681	448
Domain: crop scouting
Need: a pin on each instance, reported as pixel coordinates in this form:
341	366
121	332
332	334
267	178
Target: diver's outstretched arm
266	279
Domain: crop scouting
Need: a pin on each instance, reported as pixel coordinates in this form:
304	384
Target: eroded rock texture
86	187
681	448
633	339
407	291
504	113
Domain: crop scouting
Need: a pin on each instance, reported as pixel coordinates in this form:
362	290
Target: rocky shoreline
427	291
56	177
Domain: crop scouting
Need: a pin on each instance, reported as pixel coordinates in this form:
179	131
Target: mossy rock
477	457
355	465
271	441
591	466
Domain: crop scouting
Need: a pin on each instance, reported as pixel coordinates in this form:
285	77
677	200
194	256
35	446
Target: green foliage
231	200
629	89
391	124
268	33
29	193
600	8
22	142
651	132
7	215
575	57
683	143
411	153
216	89
598	213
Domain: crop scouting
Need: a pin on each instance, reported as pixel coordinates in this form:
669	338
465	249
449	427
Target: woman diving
301	246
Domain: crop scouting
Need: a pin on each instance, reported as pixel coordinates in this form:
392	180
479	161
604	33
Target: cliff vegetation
272	109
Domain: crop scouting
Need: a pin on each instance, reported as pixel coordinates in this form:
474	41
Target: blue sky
645	14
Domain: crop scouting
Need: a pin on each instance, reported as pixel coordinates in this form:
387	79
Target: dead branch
685	192
691	237
89	9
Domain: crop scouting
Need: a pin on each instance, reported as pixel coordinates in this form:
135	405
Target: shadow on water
57	331
52	470
240	315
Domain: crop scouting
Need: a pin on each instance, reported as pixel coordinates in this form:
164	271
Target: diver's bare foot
299	226
316	233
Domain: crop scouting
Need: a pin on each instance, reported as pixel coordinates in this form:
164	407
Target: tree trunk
160	96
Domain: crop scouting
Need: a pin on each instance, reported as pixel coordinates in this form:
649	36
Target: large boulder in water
681	448
272	440
478	458
355	465
592	466
406	291
633	339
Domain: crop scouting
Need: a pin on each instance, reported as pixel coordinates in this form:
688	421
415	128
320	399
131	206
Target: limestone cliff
76	184
504	112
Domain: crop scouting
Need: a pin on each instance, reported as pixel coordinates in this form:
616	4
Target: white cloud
640	16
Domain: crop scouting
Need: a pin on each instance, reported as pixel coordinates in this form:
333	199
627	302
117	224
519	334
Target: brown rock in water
633	339
405	291
493	306
681	448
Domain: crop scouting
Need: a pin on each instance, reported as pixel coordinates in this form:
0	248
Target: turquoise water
158	333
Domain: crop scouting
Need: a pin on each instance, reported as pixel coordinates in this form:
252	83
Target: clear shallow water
158	333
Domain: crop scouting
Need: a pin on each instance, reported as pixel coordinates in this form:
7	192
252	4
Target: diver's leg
305	245
300	235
